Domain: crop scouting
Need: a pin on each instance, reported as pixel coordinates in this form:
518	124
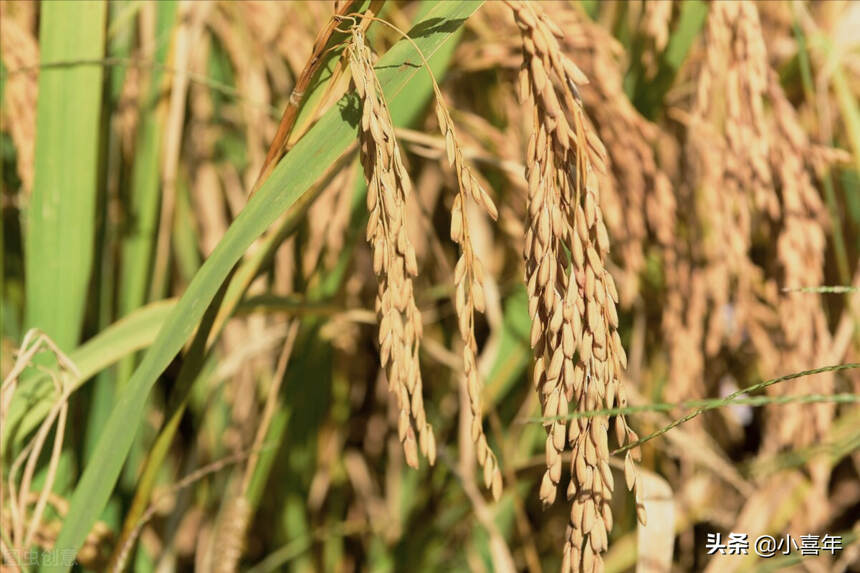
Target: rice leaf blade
61	216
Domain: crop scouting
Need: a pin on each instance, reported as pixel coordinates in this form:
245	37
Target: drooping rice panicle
572	299
394	261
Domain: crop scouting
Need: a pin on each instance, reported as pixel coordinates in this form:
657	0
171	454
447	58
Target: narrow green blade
61	215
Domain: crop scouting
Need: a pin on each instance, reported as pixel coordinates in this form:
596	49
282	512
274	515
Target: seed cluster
801	250
579	358
19	50
394	261
754	167
231	535
468	282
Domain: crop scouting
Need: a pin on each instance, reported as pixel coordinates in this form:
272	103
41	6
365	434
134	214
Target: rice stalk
191	18
233	523
280	143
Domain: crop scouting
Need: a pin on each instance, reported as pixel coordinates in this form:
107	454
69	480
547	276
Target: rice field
378	285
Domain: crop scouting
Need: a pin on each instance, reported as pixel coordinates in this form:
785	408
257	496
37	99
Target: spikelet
657	17
578	354
801	249
469	289
230	536
394	262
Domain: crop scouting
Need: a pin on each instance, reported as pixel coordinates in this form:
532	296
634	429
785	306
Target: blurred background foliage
133	133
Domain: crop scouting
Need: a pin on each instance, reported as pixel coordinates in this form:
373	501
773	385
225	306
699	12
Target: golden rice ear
574	333
468	286
230	537
394	259
20	49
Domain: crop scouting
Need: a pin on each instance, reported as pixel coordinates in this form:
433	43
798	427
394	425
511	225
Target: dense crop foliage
421	286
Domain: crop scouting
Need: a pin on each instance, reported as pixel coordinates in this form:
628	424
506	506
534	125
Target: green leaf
61	215
142	204
119	40
306	162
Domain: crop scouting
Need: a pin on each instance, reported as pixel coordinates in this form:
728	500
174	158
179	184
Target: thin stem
271	405
838	289
735	398
728	399
279	145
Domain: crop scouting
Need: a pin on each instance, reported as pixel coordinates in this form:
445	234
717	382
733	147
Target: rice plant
371	285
